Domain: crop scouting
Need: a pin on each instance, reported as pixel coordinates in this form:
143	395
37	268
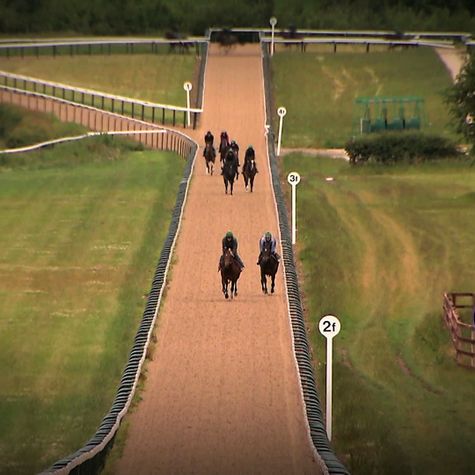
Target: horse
229	171
249	172
210	155
269	265
230	272
223	146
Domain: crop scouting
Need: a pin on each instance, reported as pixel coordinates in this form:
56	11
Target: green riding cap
229	234
268	235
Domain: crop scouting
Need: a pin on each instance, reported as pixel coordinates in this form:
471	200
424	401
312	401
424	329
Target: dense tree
461	99
194	16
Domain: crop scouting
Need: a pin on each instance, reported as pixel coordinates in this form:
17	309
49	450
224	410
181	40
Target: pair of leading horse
231	270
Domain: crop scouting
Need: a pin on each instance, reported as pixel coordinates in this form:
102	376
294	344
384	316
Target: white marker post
273	22
281	111
187	86
294	179
329	327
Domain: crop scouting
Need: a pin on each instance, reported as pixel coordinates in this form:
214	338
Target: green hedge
408	147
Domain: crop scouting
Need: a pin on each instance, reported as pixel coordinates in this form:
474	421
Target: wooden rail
463	334
143	110
99	120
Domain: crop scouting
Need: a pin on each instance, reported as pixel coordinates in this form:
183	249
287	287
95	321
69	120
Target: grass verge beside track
156	78
82	226
378	247
318	89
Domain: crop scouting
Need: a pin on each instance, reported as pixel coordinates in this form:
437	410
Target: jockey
268	238
235	148
224	143
230	156
230	242
209	139
250	155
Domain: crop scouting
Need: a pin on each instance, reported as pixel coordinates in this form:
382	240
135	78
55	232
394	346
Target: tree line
122	17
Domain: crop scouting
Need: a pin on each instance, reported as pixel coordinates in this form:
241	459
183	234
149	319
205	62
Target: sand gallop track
222	394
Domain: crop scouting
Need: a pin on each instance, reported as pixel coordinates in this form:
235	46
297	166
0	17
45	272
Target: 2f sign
329	326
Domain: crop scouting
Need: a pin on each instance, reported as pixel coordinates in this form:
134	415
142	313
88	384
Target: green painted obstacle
377	114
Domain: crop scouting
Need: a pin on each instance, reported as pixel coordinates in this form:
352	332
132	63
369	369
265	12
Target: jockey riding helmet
229	235
250	147
268	236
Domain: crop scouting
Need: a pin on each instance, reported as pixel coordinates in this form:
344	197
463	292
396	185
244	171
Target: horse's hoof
226	296
272	291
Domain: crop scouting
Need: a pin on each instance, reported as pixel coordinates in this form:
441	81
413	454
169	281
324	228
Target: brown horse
230	272
269	265
229	170
223	146
249	171
210	156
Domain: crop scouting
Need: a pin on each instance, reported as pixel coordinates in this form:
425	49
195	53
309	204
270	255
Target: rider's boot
259	259
238	258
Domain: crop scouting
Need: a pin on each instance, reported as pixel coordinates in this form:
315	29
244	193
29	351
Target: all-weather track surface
222	393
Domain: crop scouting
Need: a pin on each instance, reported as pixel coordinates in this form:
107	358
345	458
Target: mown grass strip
155	78
319	89
377	247
82	228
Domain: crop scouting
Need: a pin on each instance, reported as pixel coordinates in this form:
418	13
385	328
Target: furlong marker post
329	327
294	179
188	87
273	22
281	111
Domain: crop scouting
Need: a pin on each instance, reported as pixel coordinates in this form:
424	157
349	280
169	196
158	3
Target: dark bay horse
249	171
229	170
269	265
210	156
230	272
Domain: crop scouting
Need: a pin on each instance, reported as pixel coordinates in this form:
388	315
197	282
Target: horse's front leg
273	284
235	288
225	287
263	282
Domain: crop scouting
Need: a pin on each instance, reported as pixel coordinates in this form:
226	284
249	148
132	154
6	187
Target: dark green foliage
461	100
19	127
194	16
400	147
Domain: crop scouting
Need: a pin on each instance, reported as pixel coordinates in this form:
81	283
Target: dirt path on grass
453	59
222	394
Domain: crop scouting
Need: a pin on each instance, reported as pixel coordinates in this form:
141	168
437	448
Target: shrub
400	146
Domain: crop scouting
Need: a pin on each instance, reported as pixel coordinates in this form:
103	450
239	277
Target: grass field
378	247
155	78
318	88
81	229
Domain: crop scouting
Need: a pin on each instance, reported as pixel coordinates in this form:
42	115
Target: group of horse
231	271
230	165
